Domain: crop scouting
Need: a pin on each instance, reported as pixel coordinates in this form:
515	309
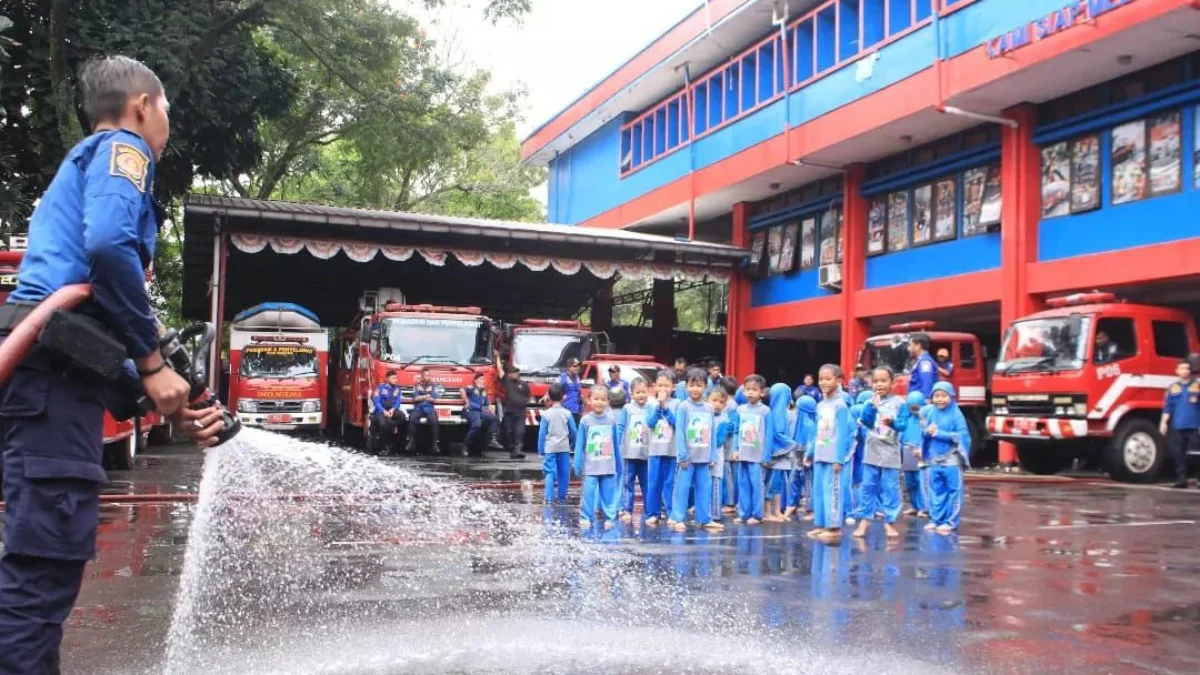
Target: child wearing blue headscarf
803	433
778	464
911	442
830	456
857	410
948	451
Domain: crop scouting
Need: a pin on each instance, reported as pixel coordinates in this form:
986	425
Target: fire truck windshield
279	361
892	353
407	340
1044	345
546	353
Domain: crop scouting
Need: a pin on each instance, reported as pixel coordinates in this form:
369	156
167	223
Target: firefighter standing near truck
925	369
1181	419
95	223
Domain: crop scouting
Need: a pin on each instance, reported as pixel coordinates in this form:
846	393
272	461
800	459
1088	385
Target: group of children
753	452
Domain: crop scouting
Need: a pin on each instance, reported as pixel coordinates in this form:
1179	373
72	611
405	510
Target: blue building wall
786	288
934	261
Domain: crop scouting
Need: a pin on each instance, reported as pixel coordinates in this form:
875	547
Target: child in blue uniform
1180	420
597	456
778	463
884	419
661	471
718	399
829	456
911	444
556	435
636	447
695	446
804	433
949	450
754	432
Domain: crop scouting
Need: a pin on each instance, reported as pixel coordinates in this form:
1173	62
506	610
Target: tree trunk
62	90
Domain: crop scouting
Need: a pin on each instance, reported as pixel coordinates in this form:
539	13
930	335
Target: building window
1170	339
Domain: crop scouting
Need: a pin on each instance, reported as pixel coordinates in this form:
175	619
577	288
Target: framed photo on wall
774	248
945	224
758	245
898	221
1129	162
1056	180
787	255
989	215
1085	173
974	182
828	237
1166	158
922	215
877	226
808	243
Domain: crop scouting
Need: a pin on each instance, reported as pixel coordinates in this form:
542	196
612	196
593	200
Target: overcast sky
562	48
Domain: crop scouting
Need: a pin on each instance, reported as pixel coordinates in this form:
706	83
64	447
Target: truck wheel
1137	452
160	434
1042	459
120	455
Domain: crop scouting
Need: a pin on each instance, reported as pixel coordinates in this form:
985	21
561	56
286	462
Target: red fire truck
278	364
455	343
969	375
541	349
122	440
1088	376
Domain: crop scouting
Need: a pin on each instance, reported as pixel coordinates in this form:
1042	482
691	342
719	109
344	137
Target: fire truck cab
453	343
541	349
969	373
278	364
632	367
1088	376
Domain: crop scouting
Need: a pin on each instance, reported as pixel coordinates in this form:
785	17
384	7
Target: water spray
87	346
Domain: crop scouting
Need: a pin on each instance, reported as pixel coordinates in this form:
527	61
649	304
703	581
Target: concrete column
854	330
739	344
1020	189
663	298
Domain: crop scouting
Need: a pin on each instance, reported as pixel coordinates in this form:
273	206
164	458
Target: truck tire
120	455
1137	452
1042	459
160	434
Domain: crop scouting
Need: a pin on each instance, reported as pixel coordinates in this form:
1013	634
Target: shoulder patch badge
1175	388
1195	387
129	162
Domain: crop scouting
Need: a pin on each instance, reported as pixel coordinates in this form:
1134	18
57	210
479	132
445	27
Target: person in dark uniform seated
481	421
424	394
1106	350
386	415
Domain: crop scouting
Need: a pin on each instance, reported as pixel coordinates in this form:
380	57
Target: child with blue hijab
804	433
779	463
912	443
948	451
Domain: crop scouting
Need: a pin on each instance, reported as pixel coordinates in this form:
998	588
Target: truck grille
280	406
449	395
1040	405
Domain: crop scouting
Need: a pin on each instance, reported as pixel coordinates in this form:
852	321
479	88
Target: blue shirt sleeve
541	446
579	443
377	400
622	423
846	434
681	453
617	449
768	435
114	220
572	429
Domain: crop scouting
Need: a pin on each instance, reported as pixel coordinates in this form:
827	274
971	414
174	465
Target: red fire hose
21	339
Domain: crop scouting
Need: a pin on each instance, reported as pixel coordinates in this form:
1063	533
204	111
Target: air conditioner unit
386	296
366	301
830	276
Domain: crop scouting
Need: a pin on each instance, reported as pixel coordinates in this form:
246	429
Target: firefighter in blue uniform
386	413
425	393
95	223
925	369
1181	420
481	421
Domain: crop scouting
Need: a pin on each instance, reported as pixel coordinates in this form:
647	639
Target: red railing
822	41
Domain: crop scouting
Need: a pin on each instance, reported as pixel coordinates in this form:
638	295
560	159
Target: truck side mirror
1074	325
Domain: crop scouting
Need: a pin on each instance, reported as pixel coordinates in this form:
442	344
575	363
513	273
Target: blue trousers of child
779	484
729	485
556	467
750	490
946	484
662	485
599	491
830	495
718	493
915	490
636	470
880	492
696	478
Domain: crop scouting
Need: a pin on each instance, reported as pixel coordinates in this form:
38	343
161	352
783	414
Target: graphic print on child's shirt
749	432
599	441
638	434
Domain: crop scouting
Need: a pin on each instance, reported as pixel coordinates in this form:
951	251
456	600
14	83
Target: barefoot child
805	432
635	450
718	397
696	445
661	420
910	442
597	455
949	451
884	419
753	433
556	435
829	455
778	464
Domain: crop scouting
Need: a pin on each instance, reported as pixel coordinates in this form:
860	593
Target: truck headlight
1000	410
311	406
1081	409
247	406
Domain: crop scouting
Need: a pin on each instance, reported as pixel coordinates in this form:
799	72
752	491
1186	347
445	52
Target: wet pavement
1063	577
